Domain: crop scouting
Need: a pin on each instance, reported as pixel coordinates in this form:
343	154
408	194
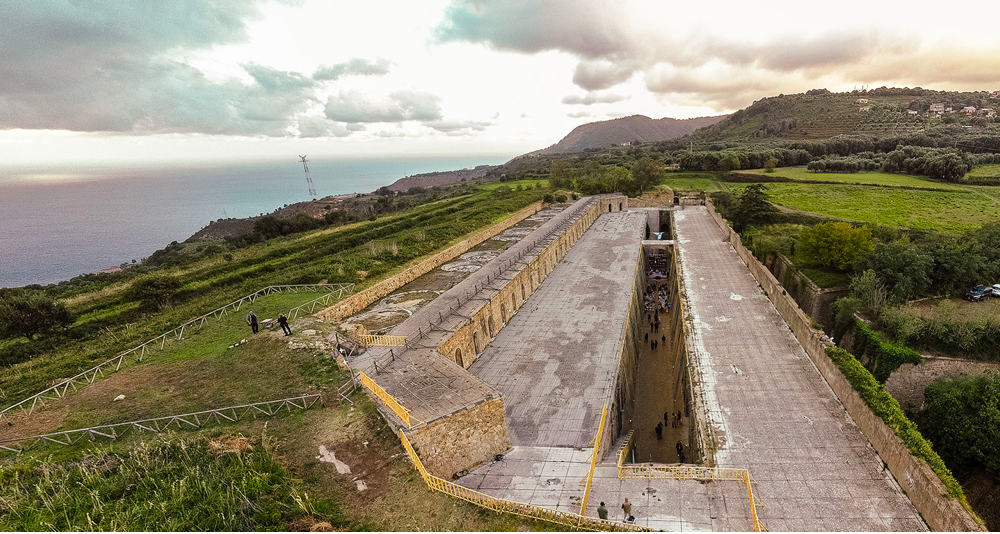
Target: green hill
820	114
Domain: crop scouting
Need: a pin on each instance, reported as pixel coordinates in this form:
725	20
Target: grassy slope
334	255
199	373
985	171
818	116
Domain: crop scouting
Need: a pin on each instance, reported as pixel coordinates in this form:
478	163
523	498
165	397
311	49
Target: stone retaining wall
921	484
362	299
813	300
471	339
907	383
464	440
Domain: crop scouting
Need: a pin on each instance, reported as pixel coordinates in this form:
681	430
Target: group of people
282	320
602	511
657	298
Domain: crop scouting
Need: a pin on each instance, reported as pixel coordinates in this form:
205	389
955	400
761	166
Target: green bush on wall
884	406
884	356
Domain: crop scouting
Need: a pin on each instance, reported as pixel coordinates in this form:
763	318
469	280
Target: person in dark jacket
252	321
283	321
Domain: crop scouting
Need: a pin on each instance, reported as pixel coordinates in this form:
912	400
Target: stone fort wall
923	487
472	337
364	298
463	441
907	383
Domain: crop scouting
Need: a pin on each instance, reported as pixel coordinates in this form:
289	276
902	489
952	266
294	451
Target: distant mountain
613	132
431	179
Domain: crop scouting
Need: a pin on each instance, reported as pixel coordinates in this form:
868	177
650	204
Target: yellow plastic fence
558	517
687	472
370	340
388	400
593	460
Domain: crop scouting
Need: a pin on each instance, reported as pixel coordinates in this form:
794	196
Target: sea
59	223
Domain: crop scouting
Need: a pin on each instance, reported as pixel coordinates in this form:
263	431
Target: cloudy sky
106	81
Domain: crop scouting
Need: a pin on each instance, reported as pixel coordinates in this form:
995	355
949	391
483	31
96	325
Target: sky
105	82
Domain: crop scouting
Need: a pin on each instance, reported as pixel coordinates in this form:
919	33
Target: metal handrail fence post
90	375
159	424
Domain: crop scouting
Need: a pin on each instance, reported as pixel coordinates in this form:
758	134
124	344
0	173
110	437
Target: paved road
769	408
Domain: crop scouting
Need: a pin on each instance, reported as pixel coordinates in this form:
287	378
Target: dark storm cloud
355	66
612	47
594	75
355	107
105	65
592	98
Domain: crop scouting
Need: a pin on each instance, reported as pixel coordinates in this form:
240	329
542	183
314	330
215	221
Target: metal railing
593	461
489	502
111	365
157	425
687	472
534	249
402	412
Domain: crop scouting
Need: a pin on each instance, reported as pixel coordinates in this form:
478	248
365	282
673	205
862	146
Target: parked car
996	290
979	293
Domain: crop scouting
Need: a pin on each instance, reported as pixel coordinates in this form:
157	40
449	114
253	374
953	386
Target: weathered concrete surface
768	408
556	361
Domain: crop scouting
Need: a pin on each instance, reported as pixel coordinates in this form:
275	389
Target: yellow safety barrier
370	340
593	460
388	400
558	517
687	472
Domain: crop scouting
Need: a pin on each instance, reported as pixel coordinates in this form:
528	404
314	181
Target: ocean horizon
59	223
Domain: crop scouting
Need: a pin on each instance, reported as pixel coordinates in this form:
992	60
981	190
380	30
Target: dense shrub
946	332
961	415
883	356
25	313
835	244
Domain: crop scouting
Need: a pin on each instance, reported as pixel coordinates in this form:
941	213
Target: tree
835	244
902	268
753	206
29	313
729	163
561	175
770	164
647	173
961	416
156	291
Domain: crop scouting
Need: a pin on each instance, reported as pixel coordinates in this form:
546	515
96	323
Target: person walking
252	321
627	508
680	452
659	432
664	338
602	512
666	417
283	321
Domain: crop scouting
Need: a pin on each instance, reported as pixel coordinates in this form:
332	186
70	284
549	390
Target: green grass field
951	211
699	181
985	171
513	185
875	178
